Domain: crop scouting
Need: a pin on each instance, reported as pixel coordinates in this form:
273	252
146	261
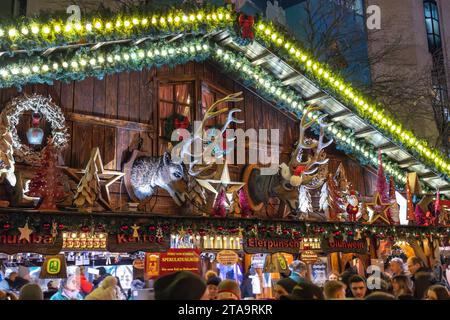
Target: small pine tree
304	203
409	204
219	209
46	183
88	187
246	211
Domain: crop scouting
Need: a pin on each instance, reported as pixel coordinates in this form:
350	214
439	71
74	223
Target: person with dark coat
52	288
421	276
246	286
102	274
305	291
181	285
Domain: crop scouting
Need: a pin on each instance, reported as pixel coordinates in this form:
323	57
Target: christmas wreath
10	116
174	122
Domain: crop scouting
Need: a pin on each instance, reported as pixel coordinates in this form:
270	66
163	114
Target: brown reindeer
307	168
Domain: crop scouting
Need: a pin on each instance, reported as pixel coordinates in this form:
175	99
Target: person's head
414	264
437	292
109	282
334	290
284	287
210	274
13	275
401	285
31	291
299	267
229	290
380	296
71	284
213	287
396	266
334	276
24	273
306	291
358	286
181	285
101	271
51	285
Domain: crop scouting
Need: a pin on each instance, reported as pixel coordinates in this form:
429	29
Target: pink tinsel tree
219	209
382	187
246	211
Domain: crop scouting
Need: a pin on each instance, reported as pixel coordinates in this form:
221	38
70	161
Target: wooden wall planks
134	97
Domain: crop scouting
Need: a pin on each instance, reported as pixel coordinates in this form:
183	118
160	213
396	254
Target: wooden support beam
315	97
407	163
365	132
116	123
341	115
260	59
428	175
290	78
387	147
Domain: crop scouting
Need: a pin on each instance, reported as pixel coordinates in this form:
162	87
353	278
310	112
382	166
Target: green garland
119	223
84	63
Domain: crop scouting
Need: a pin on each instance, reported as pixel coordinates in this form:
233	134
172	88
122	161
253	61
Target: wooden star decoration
106	178
25	232
224	183
379	210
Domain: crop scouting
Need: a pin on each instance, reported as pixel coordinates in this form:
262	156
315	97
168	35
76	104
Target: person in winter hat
212	285
102	274
181	285
69	289
229	290
284	287
107	290
31	291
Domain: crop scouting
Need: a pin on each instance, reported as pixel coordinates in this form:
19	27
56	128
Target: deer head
200	162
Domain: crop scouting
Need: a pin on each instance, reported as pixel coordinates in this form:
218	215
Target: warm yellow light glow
135	21
89	27
98	25
126	23
12	32
108	25
57	28
68	28
24	31
34	29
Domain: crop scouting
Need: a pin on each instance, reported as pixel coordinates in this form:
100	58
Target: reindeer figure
306	169
170	173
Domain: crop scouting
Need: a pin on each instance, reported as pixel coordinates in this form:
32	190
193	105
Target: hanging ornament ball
151	228
100	227
46	226
61	226
350	233
263	229
285	231
166	228
295	181
219	228
6	226
85	229
124	227
271	228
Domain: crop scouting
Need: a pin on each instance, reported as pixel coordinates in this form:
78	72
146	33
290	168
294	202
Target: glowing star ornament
25	232
379	209
224	183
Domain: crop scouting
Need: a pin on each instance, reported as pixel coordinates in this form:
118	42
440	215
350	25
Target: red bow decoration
246	23
299	170
183	124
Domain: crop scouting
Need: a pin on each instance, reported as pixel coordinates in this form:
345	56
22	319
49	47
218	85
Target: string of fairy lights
46	34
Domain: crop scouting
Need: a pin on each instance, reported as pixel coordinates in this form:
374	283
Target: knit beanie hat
31	291
287	284
229	290
109	282
181	285
213	281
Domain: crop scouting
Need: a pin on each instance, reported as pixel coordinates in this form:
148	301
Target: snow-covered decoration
275	13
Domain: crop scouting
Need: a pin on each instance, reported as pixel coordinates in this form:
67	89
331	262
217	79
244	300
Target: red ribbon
246	23
183	124
299	170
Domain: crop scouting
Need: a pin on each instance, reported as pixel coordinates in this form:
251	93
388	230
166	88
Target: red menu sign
161	263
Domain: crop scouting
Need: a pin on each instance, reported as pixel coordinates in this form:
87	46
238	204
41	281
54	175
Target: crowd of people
75	287
405	281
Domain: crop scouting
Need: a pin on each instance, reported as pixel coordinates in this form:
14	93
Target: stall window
175	98
209	96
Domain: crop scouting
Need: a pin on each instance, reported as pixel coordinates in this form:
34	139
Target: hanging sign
227	257
319	273
309	256
350	246
272	245
33	243
161	263
129	243
54	267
